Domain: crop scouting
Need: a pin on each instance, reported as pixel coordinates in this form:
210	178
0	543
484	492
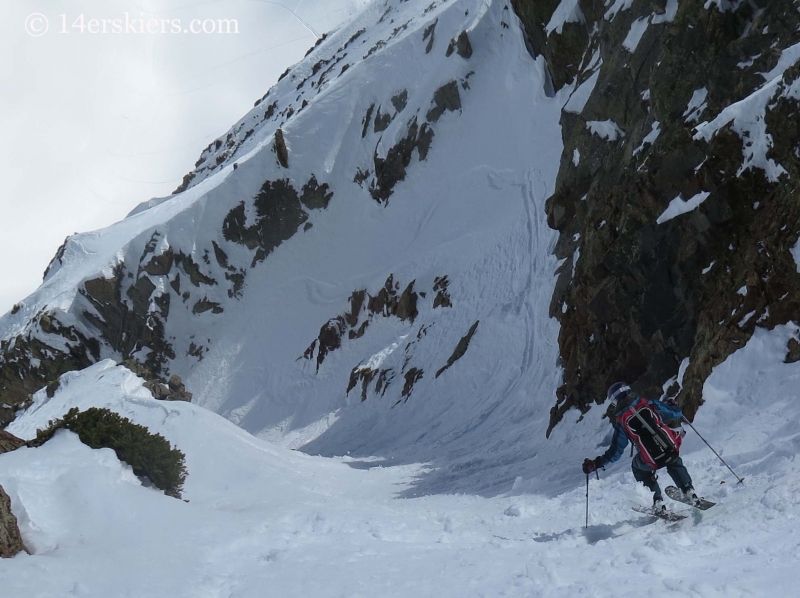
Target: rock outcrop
10	539
678	105
9	442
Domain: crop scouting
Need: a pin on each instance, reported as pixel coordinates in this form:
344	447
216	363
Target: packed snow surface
260	518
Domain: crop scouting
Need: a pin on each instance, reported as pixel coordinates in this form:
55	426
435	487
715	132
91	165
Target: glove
589	465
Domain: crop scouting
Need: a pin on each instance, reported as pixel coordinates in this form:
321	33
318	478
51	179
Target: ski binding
662	514
677	495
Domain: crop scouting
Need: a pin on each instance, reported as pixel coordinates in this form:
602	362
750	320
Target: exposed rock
446	98
793	354
392	169
29	362
382	121
316	196
562	51
460	350
174	390
58	259
205	305
10	538
363	308
279	215
360	177
429	34
461	45
643	296
412	376
400	101
280	149
220	255
136	324
192	269
367	120
9	442
365	376
442	298
160	265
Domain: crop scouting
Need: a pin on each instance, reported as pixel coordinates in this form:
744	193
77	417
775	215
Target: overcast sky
91	124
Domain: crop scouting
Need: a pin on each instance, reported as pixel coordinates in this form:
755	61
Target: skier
654	428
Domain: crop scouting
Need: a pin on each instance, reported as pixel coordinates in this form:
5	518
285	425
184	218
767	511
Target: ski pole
587	502
741	480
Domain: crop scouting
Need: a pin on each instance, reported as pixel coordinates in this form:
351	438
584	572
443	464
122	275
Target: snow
680	206
788	58
796	254
637	30
260	516
578	99
618	6
474	211
454	492
605	129
576	156
568	11
650	138
747	119
668	16
697	105
707	269
125	116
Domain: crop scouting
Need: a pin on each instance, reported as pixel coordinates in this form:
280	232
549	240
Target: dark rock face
280	149
429	34
387	302
400	101
31	361
460	350
461	45
446	98
10	539
172	390
636	297
279	214
9	442
129	326
392	169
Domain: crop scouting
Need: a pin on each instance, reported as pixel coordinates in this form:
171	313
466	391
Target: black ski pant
647	475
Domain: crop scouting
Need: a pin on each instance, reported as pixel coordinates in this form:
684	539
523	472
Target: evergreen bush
150	455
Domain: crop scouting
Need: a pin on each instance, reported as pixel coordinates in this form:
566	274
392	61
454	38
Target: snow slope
113	119
473	211
262	518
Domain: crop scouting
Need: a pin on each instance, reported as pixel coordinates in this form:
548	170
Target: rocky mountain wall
676	200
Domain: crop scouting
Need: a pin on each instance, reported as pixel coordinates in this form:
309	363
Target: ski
677	495
662	514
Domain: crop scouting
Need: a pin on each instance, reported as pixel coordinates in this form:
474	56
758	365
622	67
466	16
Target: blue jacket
668	411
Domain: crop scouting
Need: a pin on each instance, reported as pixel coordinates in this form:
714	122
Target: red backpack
657	443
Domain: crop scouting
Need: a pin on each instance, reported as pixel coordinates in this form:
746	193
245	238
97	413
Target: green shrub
150	455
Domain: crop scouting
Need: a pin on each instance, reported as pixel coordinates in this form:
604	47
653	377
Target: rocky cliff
676	200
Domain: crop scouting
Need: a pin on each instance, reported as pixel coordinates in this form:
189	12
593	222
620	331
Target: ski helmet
618	391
